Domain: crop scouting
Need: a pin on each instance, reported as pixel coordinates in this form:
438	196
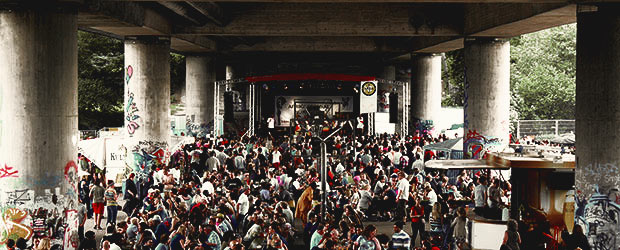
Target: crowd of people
265	193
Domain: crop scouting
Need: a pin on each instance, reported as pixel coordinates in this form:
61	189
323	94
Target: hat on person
220	215
394	175
157	218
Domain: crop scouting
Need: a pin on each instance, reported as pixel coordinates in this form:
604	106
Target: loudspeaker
393	107
228	107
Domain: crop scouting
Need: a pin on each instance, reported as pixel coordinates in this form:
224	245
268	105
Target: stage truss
225	85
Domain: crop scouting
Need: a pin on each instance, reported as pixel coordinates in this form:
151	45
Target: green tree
542	74
100	81
453	79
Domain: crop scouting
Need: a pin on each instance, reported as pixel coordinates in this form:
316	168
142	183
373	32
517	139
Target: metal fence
543	127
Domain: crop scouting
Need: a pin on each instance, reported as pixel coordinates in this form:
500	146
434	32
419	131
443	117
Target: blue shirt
401	239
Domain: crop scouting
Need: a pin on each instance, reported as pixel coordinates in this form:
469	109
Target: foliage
543	74
100	81
453	80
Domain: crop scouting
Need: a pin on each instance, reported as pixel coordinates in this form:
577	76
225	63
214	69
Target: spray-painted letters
131	109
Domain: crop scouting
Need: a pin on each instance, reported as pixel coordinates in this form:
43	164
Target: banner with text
368	97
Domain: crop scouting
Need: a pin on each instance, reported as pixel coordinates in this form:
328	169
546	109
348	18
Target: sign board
285	106
368	96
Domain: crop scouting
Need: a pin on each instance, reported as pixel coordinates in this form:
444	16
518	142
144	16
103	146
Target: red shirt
417	210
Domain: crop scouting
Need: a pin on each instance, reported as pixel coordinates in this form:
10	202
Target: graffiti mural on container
146	155
7	171
478	145
200	130
131	108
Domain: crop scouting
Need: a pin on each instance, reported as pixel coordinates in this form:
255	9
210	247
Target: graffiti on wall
12	225
200	130
71	237
71	176
478	145
131	108
50	214
599	217
7	171
465	99
147	154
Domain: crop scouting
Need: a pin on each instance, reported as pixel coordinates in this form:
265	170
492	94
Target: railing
543	127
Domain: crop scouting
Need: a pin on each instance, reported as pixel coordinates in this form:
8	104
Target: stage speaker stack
228	107
393	107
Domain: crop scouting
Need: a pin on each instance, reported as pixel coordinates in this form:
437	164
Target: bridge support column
597	125
200	85
425	87
487	96
147	100
38	118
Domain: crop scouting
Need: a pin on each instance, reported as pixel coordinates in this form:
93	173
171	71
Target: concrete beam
508	20
374	1
211	10
121	19
323	44
336	19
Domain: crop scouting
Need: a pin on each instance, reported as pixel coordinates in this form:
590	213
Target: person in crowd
400	238
97	196
111	203
512	239
248	192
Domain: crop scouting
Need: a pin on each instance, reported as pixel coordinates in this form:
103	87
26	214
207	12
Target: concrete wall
487	95
147	99
38	119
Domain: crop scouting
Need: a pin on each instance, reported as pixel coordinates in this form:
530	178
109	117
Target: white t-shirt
403	189
276	157
432	197
271	123
244	204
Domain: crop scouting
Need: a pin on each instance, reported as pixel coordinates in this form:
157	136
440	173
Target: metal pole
557	123
323	180
518	129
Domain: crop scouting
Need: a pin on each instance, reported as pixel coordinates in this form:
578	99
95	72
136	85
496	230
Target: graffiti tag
7	171
11	226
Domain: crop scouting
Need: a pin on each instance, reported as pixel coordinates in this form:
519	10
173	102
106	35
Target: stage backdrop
284	106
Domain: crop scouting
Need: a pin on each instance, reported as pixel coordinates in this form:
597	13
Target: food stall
485	233
542	191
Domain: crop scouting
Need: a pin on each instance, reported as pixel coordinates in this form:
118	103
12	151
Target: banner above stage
368	97
328	105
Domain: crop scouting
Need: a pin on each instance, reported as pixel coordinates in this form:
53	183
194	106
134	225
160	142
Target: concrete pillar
147	99
425	86
598	125
200	82
38	118
487	95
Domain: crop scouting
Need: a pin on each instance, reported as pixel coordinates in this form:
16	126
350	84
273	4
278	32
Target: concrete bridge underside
38	69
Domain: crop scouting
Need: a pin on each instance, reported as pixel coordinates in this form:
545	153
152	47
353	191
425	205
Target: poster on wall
368	97
285	106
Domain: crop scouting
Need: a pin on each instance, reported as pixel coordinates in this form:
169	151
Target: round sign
369	88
